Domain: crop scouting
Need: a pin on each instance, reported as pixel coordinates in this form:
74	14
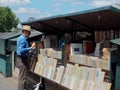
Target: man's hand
33	45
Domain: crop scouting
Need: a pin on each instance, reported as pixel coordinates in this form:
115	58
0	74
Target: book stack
91	61
45	66
74	77
43	51
101	35
105	35
49	52
59	75
57	54
84	78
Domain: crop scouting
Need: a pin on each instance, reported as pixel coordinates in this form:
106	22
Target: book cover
81	86
59	74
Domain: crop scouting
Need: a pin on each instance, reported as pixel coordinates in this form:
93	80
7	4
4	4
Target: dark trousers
23	70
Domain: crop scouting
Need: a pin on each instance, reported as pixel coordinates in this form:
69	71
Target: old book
73	80
84	73
49	51
67	75
97	49
40	69
98	75
36	68
55	74
98	84
60	74
102	65
75	69
98	63
81	86
86	60
79	73
107	65
92	74
76	84
102	75
94	63
40	58
108	86
90	85
49	72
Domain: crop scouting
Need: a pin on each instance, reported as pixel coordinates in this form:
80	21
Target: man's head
26	30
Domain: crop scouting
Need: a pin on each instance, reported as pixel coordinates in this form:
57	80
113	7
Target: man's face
27	33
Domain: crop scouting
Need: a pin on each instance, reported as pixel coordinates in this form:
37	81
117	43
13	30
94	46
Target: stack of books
45	66
92	61
50	52
84	78
74	77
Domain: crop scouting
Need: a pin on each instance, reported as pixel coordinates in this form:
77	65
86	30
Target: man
22	53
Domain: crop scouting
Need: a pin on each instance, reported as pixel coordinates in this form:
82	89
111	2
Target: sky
24	9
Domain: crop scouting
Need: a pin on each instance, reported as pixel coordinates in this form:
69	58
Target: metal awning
34	33
104	18
8	35
115	41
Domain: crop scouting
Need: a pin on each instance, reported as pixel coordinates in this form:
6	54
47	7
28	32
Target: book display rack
83	69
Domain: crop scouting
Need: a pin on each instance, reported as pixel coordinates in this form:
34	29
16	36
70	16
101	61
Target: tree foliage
8	19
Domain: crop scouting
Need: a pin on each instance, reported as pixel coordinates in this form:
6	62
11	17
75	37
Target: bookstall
75	48
5	53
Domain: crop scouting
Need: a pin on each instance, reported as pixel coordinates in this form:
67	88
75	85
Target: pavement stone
8	83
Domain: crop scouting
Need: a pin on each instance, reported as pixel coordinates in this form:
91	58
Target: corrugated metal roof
8	35
33	34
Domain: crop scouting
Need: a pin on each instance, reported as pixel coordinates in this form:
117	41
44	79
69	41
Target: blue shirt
22	46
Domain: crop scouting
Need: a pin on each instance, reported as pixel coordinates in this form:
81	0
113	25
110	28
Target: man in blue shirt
22	53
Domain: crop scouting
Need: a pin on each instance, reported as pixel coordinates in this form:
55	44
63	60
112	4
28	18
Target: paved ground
9	83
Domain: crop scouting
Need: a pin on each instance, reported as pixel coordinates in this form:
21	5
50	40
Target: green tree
8	19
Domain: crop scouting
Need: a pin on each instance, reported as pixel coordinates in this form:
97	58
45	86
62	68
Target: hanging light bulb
99	17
